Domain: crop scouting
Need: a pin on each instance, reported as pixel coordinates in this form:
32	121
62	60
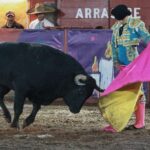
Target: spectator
41	22
11	23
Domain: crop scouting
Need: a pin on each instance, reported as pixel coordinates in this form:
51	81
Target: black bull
41	74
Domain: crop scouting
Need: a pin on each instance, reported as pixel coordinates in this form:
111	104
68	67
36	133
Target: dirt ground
55	128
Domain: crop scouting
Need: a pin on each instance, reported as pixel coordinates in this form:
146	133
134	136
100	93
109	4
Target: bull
41	74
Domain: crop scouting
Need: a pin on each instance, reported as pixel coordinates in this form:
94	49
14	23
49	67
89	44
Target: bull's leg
18	108
3	91
31	117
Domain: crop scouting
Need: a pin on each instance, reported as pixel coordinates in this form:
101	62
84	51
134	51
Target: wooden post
148	95
109	15
65	40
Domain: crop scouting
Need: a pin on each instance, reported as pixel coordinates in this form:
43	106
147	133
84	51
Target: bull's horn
80	77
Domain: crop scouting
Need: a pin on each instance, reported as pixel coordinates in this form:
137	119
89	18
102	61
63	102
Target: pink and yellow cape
118	101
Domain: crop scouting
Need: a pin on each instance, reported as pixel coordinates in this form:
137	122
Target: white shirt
36	24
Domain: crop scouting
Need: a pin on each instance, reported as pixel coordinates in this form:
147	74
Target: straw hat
41	8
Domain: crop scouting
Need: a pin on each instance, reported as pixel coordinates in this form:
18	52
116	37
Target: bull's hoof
13	125
27	122
24	124
7	118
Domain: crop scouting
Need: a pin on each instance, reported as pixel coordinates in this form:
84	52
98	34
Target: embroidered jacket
124	47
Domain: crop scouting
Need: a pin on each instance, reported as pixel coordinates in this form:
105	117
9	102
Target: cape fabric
118	101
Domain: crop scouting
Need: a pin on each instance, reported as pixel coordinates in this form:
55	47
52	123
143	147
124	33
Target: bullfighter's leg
31	117
18	107
3	91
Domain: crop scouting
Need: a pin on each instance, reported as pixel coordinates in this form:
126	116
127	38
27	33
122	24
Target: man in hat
41	22
127	33
11	23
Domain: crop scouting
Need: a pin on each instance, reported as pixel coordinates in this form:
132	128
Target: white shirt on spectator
36	24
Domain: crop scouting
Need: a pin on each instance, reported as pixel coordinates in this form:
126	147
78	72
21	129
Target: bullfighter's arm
142	32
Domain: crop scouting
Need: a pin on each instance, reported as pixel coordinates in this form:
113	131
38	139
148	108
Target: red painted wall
70	10
71	7
92	13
